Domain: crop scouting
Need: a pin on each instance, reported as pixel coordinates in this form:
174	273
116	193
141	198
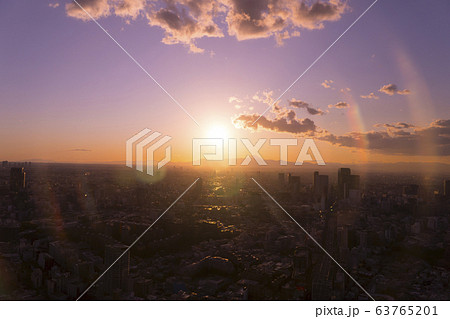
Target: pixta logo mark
144	140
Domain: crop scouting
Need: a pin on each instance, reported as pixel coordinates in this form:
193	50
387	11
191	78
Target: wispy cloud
327	83
370	96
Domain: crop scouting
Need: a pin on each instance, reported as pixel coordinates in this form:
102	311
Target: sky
379	94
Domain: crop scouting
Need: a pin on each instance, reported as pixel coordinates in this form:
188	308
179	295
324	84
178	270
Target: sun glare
217	131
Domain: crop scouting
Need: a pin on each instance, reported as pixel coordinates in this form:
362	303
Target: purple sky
66	87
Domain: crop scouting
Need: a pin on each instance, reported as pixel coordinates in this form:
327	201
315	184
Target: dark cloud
302	104
399	139
391	89
96	8
339	105
284	119
405	125
252	19
398	125
313	16
287	123
185	21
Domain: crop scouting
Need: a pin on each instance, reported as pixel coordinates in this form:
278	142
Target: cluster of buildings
62	226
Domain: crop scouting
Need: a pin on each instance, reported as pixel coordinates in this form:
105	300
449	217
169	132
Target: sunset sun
217	131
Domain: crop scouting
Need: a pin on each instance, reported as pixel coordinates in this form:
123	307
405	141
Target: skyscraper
346	182
117	276
294	183
447	188
343	177
16	179
320	189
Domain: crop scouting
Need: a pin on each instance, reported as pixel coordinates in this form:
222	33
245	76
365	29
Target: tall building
346	182
294	183
302	268
16	179
320	189
447	188
343	178
281	178
117	276
301	262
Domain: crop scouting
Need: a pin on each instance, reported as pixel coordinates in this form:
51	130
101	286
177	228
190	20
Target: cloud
346	90
255	19
185	21
391	89
370	96
327	84
238	101
96	8
281	36
399	139
398	125
252	19
404	92
128	8
265	97
287	123
313	16
339	105
302	104
404	125
282	119
53	5
233	99
285	120
102	8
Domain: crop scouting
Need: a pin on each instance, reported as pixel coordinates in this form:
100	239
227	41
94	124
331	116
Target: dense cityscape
63	225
